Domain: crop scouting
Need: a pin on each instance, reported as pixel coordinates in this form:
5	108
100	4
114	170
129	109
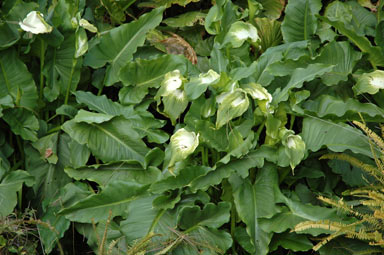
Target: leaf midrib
306	20
117	140
130	41
5	77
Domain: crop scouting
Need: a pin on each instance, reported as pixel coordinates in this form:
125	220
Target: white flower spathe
239	32
172	81
291	142
370	83
35	23
377	82
238	101
256	91
183	143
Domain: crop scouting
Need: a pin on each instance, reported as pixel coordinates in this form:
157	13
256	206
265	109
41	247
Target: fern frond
379	142
372	135
370	169
340	204
326	240
367	208
322	224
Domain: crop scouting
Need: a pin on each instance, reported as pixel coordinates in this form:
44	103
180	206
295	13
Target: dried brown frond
175	44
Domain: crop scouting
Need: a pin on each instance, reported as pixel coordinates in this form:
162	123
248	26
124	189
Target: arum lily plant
184	127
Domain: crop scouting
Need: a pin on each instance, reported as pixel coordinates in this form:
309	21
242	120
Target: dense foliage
185	126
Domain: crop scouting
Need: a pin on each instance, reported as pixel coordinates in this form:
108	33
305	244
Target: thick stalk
156	220
42	60
261	127
204	156
69	85
21	149
292	121
233	226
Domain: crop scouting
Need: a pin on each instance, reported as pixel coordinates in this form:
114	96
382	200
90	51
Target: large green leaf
115	197
198	85
291	241
272	8
337	137
16	81
299	76
143	123
79	154
222	171
150	72
112	233
255	201
354	16
205	240
213	18
47	147
184	178
188	19
281	222
351	175
259	69
300	22
22	122
5	151
214	138
116	9
62	69
118	45
110	141
375	53
69	194
346	246
339	11
9	31
211	215
101	104
305	211
167	3
91	117
140	217
63	12
8	35
343	57
123	171
11	184
335	108
50	177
